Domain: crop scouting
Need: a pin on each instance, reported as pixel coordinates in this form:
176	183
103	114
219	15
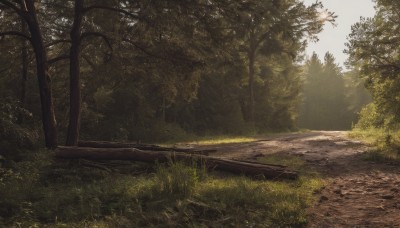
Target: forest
117	113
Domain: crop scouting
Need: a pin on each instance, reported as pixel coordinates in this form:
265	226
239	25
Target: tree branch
10	5
127	13
57	42
15	33
87	59
98	34
13	7
58	58
141	48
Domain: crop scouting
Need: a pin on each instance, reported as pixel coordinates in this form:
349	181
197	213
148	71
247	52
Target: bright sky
333	39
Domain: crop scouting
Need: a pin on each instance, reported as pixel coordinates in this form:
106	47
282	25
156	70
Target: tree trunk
74	76
251	57
24	63
238	167
104	144
44	79
24	70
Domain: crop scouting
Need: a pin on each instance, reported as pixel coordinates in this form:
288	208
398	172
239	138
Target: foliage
325	106
43	192
386	144
357	95
370	118
17	131
373	48
174	66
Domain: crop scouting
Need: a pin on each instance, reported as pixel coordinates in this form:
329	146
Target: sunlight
324	16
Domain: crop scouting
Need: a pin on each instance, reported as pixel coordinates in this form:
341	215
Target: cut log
105	144
238	167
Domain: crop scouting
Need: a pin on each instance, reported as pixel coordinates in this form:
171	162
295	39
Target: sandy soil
358	193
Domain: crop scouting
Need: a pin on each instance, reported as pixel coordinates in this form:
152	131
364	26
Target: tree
356	94
269	27
325	106
27	11
373	48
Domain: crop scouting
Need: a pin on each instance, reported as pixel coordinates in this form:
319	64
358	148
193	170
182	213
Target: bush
369	117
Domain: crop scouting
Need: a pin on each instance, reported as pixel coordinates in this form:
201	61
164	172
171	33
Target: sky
333	38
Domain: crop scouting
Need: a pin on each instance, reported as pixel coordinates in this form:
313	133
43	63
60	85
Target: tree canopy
373	49
155	70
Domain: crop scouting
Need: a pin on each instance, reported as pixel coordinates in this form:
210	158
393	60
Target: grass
42	192
386	144
223	139
212	140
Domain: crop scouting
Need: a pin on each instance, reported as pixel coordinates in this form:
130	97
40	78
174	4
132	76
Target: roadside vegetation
380	132
385	144
39	191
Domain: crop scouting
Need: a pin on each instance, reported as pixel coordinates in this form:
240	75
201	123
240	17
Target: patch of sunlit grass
372	136
212	140
386	144
224	140
272	204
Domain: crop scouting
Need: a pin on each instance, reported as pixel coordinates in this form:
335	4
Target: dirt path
358	193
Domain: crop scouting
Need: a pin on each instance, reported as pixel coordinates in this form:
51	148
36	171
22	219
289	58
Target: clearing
358	193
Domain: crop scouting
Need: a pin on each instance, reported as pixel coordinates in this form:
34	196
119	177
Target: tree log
238	167
105	144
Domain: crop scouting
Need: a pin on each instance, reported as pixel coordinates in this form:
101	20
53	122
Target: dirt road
358	193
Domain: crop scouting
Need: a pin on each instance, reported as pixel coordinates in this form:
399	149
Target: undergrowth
42	192
385	144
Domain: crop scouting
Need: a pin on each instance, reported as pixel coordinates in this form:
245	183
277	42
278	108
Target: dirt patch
358	193
363	199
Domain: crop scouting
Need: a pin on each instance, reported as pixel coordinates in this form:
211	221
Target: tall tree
27	11
266	25
324	106
77	36
373	48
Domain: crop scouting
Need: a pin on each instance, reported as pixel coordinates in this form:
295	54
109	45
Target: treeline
373	47
150	70
332	98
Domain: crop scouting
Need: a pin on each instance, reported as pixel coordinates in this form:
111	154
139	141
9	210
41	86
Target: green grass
41	192
223	140
213	140
386	144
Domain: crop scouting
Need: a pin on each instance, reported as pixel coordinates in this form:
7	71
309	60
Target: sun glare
324	15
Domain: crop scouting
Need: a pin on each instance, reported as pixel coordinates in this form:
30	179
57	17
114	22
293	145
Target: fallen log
105	144
238	167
